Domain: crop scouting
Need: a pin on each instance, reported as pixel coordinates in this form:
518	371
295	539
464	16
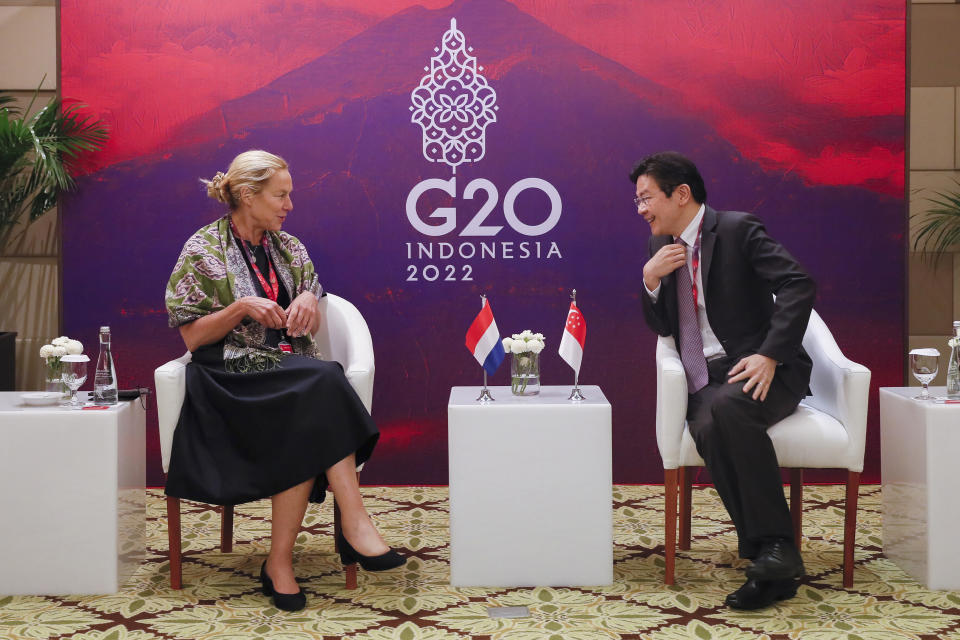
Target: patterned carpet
221	599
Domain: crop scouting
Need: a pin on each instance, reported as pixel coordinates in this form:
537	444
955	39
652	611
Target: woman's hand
303	315
212	328
265	311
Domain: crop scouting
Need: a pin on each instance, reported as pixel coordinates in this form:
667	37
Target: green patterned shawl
211	273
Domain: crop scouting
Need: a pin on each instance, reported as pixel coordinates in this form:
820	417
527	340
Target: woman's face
269	208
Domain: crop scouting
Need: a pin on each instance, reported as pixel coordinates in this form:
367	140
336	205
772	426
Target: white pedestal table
530	488
920	456
72	497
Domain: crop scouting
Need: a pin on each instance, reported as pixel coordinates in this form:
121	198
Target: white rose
526	334
58	352
518	346
46	351
61	341
536	346
506	344
538	336
74	347
516	336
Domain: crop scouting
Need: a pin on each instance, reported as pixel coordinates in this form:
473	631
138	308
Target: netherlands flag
483	340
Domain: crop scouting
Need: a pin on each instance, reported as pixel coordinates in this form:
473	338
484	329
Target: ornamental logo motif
453	103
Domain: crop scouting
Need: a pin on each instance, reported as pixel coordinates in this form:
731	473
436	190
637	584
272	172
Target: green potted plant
938	229
35	155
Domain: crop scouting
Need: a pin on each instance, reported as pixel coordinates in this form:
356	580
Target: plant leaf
938	229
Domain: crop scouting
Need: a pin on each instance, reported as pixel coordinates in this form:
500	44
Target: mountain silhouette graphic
389	59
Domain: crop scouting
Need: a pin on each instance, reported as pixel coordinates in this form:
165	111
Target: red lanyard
695	259
273	289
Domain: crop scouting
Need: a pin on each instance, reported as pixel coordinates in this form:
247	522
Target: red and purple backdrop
793	111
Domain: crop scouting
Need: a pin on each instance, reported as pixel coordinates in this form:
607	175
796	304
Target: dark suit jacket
742	269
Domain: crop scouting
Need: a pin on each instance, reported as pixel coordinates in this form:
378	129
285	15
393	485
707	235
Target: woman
263	416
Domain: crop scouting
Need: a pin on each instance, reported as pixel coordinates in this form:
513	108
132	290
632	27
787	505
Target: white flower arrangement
524	342
953	343
525	347
54	351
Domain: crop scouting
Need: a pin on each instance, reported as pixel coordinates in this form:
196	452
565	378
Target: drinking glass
924	364
74	374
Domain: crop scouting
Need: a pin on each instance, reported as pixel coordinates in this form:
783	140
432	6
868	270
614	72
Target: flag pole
575	395
484	396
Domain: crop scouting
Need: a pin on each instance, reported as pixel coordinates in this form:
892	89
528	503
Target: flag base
576	396
485	397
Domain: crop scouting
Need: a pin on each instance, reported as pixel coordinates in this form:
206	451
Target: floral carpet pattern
221	599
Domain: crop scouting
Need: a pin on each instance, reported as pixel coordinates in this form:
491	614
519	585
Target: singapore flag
574	335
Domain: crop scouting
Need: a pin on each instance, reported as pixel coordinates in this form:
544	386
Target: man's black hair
669	170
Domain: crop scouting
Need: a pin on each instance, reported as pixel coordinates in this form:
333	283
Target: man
710	282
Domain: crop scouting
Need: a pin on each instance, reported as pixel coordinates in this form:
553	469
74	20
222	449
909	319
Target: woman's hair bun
216	187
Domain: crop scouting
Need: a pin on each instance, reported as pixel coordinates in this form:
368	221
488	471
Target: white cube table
530	489
920	453
72	497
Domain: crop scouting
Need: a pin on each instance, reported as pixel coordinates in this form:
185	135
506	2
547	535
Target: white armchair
828	430
343	336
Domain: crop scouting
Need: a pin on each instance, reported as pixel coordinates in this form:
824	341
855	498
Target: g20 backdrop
440	150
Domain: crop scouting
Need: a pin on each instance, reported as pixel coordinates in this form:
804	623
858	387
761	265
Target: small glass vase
525	374
54	379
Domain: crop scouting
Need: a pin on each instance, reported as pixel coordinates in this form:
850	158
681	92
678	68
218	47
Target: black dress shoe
349	555
757	594
285	601
777	560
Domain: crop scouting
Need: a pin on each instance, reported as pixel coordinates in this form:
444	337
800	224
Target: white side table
920	453
71	497
530	489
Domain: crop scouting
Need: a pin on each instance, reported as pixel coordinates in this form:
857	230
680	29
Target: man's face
663	214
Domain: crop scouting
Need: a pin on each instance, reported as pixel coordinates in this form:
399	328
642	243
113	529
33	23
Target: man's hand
303	315
758	371
265	311
668	259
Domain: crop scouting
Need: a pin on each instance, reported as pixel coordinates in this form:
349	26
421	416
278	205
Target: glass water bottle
953	366
105	378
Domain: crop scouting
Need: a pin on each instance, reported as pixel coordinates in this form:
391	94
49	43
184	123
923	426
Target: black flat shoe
777	560
348	555
759	594
285	601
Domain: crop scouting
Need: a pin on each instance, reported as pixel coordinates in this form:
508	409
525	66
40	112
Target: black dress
246	436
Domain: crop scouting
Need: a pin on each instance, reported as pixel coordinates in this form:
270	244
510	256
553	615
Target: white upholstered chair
343	336
828	430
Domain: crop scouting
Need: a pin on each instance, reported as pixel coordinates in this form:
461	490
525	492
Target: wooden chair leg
850	526
173	537
686	493
670	480
226	529
796	504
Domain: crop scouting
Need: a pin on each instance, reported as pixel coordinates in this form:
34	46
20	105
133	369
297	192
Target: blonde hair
250	169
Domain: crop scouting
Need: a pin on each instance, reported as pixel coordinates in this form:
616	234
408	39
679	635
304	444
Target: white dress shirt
711	346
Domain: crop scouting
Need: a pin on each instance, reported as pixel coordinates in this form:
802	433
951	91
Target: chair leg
796	504
350	569
670	524
173	537
686	494
226	529
850	526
